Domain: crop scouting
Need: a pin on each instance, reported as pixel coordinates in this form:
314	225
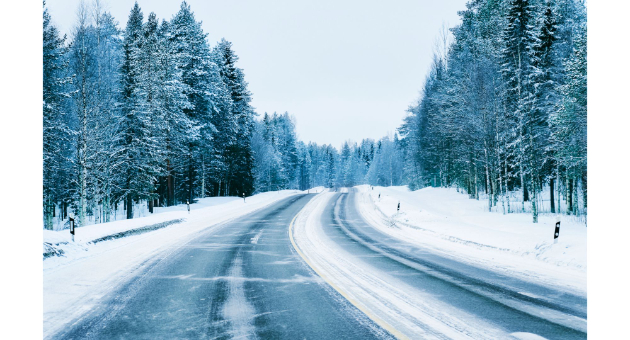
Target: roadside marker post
243	197
556	233
188	206
71	220
398	210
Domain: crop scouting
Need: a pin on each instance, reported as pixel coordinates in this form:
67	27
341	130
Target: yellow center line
360	306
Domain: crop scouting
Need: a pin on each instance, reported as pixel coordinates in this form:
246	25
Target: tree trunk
559	193
476	184
203	178
551	198
170	194
569	196
501	187
191	181
584	190
48	214
129	207
534	201
507	185
488	185
525	191
108	208
522	187
493	186
83	198
469	184
150	206
575	200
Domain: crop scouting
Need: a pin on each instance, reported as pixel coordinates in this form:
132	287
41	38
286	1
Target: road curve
241	280
432	296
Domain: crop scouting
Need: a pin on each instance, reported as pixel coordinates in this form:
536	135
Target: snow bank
141	210
449	222
76	281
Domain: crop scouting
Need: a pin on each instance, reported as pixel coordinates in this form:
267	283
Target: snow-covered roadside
94	231
404	310
75	282
450	223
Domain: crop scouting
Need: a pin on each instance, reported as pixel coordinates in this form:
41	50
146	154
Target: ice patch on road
282	262
232	278
257	237
237	310
526	336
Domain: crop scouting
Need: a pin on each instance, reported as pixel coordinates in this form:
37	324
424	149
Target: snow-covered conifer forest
150	114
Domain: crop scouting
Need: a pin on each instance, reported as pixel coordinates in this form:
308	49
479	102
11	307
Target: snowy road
310	267
414	293
241	280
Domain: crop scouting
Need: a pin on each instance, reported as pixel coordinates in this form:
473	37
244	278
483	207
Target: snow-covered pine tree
268	163
149	111
331	159
177	130
227	127
239	156
344	174
201	76
304	165
287	146
515	67
134	125
387	165
56	135
539	96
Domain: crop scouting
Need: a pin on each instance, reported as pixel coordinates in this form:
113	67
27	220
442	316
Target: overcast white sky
344	69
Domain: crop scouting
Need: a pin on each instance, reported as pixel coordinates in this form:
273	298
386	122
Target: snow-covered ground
141	210
450	223
61	238
76	281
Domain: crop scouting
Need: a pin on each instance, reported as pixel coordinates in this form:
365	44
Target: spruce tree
177	129
130	126
199	74
239	157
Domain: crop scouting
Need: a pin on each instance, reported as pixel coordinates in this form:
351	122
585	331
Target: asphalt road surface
506	303
241	280
244	280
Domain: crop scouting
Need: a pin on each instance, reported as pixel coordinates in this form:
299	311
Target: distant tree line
284	162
